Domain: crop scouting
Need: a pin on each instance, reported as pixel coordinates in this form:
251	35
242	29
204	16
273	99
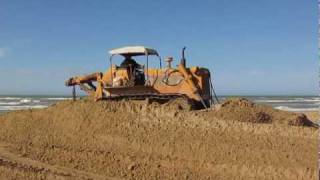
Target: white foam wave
22	101
26	100
29	99
58	98
286	108
10	103
11	108
10	98
289	100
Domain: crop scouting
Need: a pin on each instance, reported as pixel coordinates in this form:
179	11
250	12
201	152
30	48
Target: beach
139	140
152	90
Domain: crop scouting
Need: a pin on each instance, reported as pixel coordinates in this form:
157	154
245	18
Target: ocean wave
10	98
10	103
34	99
286	108
288	100
11	108
29	100
25	100
22	101
57	98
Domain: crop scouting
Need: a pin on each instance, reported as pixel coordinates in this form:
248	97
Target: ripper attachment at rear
131	80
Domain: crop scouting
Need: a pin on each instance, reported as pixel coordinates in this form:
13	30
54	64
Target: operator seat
135	71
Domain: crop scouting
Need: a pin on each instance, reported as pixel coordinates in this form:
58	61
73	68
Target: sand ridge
147	140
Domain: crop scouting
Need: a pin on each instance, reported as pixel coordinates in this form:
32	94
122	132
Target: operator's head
127	57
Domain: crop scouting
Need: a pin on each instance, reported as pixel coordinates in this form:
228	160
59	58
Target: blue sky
250	46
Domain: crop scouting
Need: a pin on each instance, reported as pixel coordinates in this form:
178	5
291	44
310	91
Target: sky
252	47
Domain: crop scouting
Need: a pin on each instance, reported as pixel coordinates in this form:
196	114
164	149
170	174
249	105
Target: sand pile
148	140
243	110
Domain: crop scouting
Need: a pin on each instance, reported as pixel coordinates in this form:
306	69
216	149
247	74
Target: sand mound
243	110
148	140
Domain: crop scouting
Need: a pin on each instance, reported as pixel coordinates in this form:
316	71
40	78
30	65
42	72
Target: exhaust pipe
183	59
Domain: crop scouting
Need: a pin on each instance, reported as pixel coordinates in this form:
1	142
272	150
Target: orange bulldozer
131	80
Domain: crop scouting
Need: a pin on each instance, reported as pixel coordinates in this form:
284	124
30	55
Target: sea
12	103
286	103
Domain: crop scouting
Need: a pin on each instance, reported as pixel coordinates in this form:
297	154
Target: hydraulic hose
213	92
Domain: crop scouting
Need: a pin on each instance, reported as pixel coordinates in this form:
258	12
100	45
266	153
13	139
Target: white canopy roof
134	51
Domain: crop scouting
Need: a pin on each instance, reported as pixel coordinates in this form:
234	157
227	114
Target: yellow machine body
158	83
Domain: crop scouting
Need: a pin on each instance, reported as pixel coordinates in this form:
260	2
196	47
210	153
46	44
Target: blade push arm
77	80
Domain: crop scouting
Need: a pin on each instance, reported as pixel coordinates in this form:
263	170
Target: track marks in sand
13	161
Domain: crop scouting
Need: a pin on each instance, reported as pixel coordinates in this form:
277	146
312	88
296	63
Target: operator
129	61
134	69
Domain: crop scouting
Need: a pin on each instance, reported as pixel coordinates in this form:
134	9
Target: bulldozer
131	80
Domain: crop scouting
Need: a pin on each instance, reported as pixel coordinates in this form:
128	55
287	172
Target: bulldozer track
153	96
12	160
160	98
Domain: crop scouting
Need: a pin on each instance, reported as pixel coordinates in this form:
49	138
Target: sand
146	140
312	115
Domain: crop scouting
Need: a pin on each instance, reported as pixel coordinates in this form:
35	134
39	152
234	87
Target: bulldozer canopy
133	51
